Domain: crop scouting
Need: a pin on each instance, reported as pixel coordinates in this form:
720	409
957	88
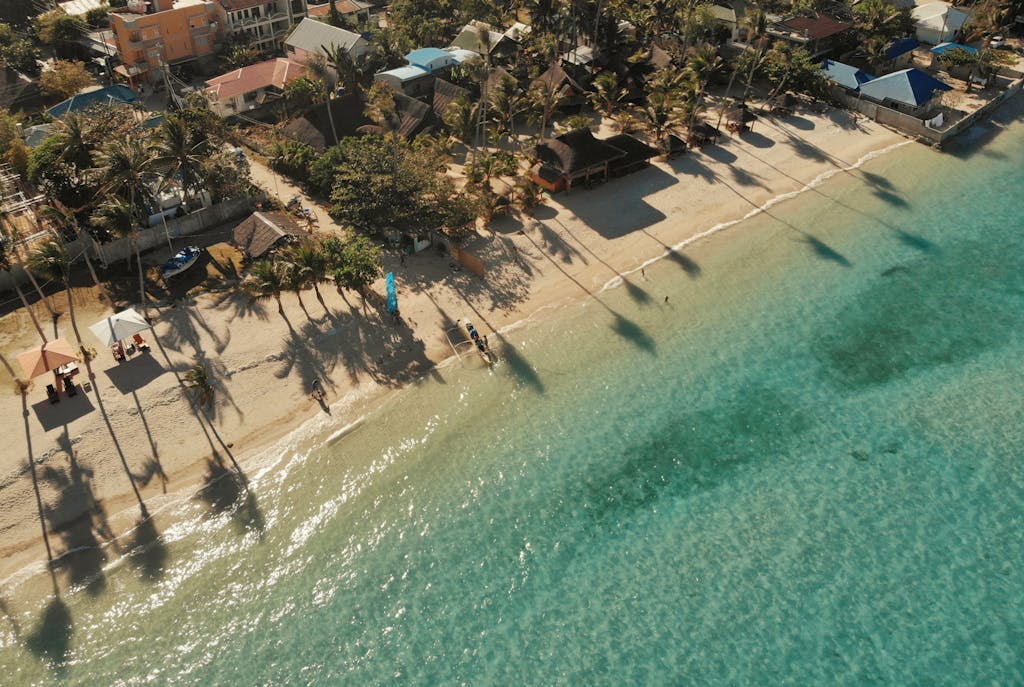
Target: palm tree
507	102
544	99
197	377
9	232
264	281
309	264
607	93
317	67
66	223
293	278
126	169
346	70
6	264
662	113
51	260
756	23
181	152
460	117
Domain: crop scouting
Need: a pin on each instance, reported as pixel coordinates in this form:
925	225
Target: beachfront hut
572	92
700	134
482	39
673	146
260	232
910	91
739	119
637	154
574	155
782	104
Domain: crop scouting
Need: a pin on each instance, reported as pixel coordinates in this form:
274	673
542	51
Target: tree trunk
280	306
725	101
7	366
71	312
142	280
28	309
35	285
330	117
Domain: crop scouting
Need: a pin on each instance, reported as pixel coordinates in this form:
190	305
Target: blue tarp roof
101	96
909	86
943	48
900	47
845	75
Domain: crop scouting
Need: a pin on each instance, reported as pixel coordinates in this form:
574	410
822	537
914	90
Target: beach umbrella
740	115
49	356
119	326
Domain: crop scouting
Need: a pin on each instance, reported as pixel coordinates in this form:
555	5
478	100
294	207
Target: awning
119	326
49	356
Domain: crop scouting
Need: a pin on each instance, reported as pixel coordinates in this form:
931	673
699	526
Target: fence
912	126
120	249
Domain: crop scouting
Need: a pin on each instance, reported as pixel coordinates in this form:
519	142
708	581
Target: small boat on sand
185	258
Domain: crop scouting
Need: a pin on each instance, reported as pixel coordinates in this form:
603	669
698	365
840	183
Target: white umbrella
119	326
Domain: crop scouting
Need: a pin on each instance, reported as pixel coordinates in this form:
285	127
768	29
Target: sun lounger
51	393
140	343
69	387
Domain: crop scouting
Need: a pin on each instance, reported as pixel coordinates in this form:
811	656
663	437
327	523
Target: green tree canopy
384	181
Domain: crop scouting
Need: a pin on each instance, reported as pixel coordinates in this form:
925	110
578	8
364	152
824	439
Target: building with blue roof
845	75
910	91
943	48
410	80
901	50
110	95
430	59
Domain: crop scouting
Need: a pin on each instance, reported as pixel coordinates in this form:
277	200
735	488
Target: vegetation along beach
621	343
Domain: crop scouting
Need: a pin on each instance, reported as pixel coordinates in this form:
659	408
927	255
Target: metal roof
845	75
908	86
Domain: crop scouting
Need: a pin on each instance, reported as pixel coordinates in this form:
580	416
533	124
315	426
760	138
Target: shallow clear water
805	468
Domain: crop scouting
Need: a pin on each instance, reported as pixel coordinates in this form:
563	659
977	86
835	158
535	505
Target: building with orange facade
157	32
149	34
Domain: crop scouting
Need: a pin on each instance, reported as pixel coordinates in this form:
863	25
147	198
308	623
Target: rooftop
817	27
274	72
312	35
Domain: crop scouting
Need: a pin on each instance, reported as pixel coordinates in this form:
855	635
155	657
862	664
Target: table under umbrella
119	326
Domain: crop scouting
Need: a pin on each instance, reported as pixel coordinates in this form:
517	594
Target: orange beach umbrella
42	359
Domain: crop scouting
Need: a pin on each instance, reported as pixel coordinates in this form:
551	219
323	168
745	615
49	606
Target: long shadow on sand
619	209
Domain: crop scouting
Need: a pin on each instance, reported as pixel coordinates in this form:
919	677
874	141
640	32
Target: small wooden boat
185	258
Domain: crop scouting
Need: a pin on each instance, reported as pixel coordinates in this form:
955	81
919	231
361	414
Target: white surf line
722	226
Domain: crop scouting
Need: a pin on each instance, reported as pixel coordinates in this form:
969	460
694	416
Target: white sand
264	365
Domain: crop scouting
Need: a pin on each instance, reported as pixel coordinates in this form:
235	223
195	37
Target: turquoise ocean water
804	469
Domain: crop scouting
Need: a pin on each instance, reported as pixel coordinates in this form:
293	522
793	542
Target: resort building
316	128
251	87
844	75
261	232
426	64
164	32
909	91
575	155
262	24
310	38
482	39
817	35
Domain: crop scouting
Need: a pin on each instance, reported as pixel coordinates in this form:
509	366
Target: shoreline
24	558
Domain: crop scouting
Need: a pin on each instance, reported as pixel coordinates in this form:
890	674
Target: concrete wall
154	237
913	126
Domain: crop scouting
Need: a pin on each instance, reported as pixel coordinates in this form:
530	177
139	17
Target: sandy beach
137	414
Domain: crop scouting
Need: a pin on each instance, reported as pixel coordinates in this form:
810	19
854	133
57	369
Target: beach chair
140	343
69	387
51	393
118	352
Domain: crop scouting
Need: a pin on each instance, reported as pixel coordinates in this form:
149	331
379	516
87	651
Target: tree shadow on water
148	552
77	517
52	638
916	241
825	251
226	491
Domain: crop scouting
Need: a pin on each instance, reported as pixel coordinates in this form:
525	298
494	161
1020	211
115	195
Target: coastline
563	268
